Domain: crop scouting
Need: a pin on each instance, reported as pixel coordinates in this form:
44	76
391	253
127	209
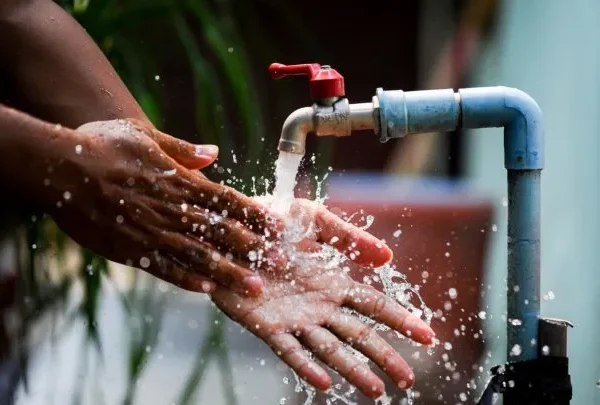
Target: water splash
394	283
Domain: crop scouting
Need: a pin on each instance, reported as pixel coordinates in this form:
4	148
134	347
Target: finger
228	234
362	337
173	274
330	350
200	258
360	246
186	154
292	353
226	200
381	308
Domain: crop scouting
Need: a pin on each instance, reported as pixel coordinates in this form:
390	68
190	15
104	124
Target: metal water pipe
396	113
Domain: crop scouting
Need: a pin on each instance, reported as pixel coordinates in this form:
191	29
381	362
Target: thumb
186	154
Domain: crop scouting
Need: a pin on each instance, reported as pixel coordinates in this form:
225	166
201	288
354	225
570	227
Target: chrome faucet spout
338	119
295	128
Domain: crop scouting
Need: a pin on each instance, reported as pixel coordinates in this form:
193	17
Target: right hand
133	195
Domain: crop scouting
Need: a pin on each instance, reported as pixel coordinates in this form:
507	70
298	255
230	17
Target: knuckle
364	334
379	306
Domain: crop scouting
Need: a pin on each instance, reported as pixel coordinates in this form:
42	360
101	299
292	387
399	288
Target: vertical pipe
523	279
402	113
521	118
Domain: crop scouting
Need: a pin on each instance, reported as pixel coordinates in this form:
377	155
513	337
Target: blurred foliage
208	35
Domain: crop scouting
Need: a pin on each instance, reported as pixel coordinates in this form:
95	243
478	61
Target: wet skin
122	194
303	307
135	195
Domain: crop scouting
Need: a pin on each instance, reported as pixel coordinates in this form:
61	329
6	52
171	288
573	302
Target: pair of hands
134	195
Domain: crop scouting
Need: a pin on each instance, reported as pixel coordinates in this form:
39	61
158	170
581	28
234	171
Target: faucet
396	113
330	115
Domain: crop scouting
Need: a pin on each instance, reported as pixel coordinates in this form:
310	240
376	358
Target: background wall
551	49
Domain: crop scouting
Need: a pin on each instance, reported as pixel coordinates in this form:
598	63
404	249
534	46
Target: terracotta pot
439	233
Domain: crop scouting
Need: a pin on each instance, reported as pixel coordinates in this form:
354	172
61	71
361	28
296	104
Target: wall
551	49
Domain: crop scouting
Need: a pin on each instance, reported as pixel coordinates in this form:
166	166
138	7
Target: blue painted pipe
402	113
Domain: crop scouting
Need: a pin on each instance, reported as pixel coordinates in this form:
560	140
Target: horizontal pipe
402	113
362	117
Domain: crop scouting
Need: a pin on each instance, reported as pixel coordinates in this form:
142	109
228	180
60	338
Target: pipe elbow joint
517	112
295	129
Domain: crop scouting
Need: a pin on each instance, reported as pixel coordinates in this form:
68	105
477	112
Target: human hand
307	305
131	193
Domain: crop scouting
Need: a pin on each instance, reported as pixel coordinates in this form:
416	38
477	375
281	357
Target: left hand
303	307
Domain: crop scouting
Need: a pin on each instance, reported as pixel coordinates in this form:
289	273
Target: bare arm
60	73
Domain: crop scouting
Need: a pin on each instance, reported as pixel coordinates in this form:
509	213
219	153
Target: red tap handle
324	81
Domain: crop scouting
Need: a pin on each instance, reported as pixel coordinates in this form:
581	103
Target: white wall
551	49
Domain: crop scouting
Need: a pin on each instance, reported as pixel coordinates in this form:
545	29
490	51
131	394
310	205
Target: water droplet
157	77
230	49
148	349
482	315
145	262
516	322
545	350
452	293
120	219
67	195
494	228
78	149
516	350
397	233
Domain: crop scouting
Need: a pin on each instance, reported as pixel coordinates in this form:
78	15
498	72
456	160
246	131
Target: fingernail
253	285
207	150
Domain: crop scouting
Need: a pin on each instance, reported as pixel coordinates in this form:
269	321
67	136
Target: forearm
60	73
30	150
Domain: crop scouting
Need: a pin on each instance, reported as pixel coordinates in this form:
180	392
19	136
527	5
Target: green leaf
79	6
236	69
